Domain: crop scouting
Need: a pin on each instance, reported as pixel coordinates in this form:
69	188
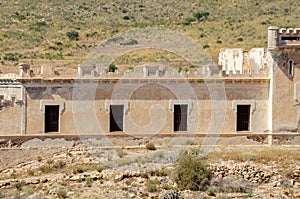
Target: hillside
63	32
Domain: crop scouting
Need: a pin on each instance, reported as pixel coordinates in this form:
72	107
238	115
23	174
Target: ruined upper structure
283	37
253	91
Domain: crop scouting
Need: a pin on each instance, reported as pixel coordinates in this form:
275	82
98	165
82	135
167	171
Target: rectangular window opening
180	117
290	38
243	118
116	118
51	118
290	67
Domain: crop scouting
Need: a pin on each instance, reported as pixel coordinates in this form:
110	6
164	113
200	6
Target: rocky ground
78	172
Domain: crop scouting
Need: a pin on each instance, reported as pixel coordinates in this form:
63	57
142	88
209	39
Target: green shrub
39	158
11	57
126	17
151	185
88	182
198	15
19	16
38	26
179	69
46	168
99	168
211	192
131	42
166	186
191	173
79	170
250	194
188	21
150	146
73	35
206	46
59	164
13	174
121	153
112	68
19	185
158	172
202	35
30	172
62	194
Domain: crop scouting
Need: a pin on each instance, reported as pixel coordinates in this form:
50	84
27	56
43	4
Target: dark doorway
180	117
243	118
116	118
51	118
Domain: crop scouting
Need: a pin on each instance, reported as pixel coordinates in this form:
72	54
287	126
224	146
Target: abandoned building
256	91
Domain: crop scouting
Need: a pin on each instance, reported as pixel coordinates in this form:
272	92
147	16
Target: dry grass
282	157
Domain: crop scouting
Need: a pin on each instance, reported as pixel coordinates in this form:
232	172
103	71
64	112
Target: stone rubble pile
296	174
246	171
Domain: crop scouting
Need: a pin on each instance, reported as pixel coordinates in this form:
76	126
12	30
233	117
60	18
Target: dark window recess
51	118
290	68
180	117
243	118
290	38
116	118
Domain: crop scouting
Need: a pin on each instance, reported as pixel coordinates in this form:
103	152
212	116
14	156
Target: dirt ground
81	172
12	157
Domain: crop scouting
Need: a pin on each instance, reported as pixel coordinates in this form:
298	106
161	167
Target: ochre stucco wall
285	115
149	107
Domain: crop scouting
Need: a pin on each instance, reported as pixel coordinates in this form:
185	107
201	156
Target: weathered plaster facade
255	91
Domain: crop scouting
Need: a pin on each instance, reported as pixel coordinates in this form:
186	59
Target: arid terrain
145	172
62	32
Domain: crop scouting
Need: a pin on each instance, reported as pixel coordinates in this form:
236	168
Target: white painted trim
244	102
179	102
252	104
189	103
59	103
297	91
125	104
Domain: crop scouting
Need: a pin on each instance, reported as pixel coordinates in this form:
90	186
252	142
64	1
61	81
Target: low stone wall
160	140
255	173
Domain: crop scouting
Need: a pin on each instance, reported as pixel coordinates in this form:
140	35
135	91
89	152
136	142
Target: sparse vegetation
19	185
61	194
157	180
265	156
152	185
73	35
191	173
39	158
79	169
99	168
59	164
120	153
46	168
112	68
30	172
150	146
88	22
88	182
211	192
